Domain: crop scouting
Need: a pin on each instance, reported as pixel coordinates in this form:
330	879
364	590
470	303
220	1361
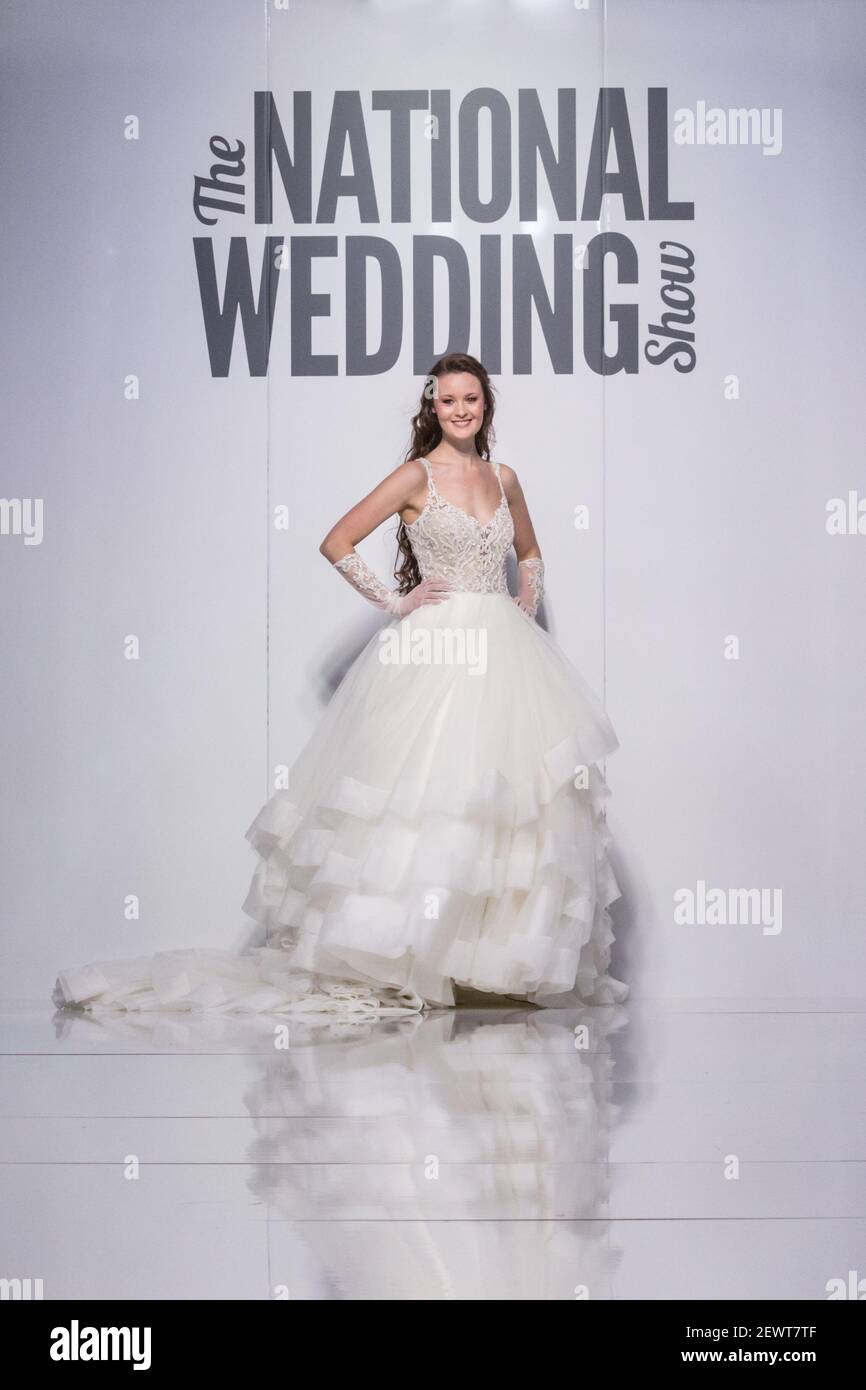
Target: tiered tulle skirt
444	826
445	823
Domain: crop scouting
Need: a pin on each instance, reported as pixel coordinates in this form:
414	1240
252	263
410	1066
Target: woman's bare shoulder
405	478
412	471
405	486
510	481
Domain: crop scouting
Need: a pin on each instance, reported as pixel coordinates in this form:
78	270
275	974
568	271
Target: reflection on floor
658	1150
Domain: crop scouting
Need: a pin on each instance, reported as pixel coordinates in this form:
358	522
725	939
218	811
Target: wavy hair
426	434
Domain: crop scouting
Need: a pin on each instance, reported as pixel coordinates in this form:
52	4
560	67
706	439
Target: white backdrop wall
706	490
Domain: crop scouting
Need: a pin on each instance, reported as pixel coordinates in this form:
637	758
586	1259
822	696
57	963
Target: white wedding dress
444	825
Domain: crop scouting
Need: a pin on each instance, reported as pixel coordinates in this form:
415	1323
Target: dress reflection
447	1155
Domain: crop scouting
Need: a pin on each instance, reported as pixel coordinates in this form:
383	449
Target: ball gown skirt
443	826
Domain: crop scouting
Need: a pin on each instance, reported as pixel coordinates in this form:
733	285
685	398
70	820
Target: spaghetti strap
431	486
499	479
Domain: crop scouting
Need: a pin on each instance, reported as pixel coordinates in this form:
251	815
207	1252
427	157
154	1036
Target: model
444	826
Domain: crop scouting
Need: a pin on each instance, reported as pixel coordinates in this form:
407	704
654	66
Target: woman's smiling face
459	404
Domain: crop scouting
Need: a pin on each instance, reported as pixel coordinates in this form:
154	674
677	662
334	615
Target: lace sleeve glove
530	585
362	578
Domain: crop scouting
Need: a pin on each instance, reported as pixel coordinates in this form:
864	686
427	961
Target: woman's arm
393	494
530	566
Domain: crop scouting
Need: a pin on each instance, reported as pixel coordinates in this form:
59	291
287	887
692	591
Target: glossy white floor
676	1150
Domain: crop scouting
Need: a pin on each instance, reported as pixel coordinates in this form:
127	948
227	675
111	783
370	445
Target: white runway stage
649	1151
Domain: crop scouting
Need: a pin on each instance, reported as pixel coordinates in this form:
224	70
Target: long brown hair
426	434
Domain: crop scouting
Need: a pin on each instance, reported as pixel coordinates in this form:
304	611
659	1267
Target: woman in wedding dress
444	825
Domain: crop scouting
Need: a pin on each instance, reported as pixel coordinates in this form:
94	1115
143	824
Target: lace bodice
450	544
